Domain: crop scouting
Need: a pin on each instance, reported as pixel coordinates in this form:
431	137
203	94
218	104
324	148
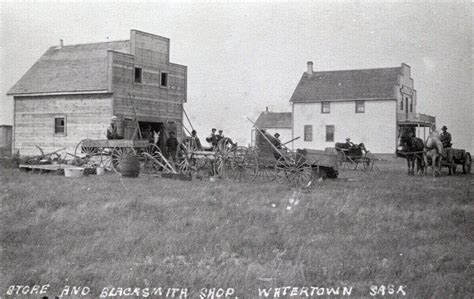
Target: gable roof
274	120
347	85
71	68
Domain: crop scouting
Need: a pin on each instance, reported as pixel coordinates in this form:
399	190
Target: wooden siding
87	116
152	102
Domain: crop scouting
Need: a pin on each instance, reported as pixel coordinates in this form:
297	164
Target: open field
376	228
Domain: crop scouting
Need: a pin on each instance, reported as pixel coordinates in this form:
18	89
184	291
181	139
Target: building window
360	107
308	133
60	125
411	105
325	108
164	79
401	105
138	75
330	133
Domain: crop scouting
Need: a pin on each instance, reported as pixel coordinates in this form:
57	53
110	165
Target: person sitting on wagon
112	131
445	137
212	139
276	141
220	135
350	144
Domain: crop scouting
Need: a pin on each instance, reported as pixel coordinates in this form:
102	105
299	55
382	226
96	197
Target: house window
401	105
360	107
164	79
308	133
325	108
138	75
60	125
411	105
330	133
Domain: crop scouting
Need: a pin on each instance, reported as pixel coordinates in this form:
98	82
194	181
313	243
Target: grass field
376	228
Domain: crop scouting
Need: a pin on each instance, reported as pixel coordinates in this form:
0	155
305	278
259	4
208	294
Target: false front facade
72	92
369	106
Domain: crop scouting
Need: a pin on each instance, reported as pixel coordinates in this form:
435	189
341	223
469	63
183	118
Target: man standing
445	137
172	146
196	143
112	131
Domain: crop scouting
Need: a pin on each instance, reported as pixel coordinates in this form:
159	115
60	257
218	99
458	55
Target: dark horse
412	150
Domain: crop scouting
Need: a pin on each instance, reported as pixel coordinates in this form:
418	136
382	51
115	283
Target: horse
433	150
412	149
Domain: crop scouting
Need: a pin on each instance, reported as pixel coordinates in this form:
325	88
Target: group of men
213	139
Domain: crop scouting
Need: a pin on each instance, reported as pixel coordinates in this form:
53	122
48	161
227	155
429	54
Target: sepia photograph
236	149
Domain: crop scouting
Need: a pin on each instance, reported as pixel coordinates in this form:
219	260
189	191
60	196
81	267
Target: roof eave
342	100
32	94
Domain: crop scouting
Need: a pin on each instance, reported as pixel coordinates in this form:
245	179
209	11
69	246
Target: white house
275	122
367	105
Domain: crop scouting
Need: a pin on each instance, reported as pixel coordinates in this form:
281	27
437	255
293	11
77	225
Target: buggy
353	156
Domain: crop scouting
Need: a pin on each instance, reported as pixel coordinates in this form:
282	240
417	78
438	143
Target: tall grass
380	227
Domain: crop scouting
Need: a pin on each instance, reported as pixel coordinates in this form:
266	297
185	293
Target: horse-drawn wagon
455	157
269	161
112	152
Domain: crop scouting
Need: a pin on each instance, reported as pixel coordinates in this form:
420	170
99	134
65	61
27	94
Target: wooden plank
47	166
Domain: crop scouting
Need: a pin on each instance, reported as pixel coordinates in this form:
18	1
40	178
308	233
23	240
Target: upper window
401	105
138	75
360	107
60	125
411	105
325	107
308	133
164	79
330	133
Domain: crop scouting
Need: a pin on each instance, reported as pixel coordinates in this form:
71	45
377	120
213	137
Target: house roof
71	68
347	85
274	120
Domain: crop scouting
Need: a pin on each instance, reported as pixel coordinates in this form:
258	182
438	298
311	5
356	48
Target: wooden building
72	92
371	106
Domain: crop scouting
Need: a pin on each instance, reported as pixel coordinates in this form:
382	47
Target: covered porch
420	124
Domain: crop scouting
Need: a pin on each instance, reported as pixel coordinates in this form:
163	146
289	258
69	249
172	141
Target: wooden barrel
130	166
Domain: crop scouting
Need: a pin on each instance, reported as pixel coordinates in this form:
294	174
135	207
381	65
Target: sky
245	56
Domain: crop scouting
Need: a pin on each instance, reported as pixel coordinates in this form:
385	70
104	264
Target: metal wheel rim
148	166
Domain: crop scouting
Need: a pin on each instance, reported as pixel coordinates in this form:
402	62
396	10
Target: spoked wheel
296	170
85	147
149	157
466	166
241	165
118	153
184	162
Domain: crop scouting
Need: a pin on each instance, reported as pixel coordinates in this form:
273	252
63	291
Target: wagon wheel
242	165
184	166
118	153
147	164
84	147
296	170
466	166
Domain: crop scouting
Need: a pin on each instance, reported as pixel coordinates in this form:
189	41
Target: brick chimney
266	110
61	43
310	68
